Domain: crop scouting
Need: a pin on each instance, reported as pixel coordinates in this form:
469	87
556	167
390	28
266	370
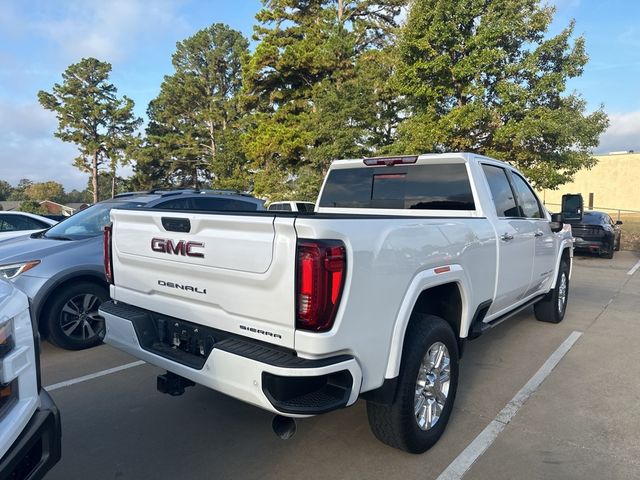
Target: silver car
14	224
61	269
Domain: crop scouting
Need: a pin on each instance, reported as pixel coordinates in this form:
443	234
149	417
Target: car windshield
86	223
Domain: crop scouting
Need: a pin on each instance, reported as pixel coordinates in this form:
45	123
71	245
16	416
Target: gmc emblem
183	247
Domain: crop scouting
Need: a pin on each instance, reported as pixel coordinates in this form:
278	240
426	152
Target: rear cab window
432	186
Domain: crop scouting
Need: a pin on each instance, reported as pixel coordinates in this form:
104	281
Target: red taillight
321	271
106	254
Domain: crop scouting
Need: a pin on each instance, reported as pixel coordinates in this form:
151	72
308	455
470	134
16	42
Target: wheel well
51	296
444	301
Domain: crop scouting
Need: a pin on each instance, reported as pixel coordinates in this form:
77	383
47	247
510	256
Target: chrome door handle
506	237
538	234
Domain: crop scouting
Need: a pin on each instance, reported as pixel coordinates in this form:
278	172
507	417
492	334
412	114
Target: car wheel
608	254
427	385
554	304
72	319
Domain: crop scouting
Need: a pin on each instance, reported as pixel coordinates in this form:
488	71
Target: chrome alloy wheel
79	318
562	293
432	386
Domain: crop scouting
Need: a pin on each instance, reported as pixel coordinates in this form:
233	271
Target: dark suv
61	269
596	233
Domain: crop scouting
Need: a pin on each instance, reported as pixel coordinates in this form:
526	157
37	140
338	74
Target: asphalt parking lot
582	422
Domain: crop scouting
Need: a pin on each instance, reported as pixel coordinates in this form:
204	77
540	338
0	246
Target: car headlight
12	270
6	337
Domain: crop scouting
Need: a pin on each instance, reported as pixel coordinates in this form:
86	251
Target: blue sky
40	38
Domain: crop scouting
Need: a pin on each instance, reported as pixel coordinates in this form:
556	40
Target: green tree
193	123
75	196
307	87
5	190
18	193
106	186
32	206
480	76
45	191
91	116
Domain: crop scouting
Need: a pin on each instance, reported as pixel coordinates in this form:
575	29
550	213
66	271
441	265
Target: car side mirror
619	222
572	207
556	224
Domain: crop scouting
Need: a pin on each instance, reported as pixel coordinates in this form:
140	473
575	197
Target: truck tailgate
223	271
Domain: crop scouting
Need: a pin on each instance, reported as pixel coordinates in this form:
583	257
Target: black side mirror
619	222
572	207
556	224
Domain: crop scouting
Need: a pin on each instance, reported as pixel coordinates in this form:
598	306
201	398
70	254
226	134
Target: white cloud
630	37
108	31
29	149
623	133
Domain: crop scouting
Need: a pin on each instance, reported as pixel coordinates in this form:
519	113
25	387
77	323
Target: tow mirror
556	224
572	207
619	222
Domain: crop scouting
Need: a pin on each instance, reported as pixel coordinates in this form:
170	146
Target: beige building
614	183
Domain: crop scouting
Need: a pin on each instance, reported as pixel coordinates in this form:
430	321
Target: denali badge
183	247
179	286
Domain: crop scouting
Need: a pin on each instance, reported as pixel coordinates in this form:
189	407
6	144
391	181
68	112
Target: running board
479	326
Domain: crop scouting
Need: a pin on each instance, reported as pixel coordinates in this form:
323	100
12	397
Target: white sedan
13	224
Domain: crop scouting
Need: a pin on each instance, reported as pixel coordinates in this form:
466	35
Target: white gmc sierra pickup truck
371	296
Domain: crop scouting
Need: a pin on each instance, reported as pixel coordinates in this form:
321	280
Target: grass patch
630	230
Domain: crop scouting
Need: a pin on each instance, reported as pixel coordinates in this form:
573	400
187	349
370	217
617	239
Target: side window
286	207
4	225
501	191
21	222
211	204
528	203
304	207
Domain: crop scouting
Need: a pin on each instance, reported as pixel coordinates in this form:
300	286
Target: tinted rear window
593	218
423	187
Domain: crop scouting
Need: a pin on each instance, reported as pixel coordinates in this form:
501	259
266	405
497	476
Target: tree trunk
340	10
94	176
113	179
195	175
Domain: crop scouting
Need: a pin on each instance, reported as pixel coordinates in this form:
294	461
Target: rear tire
553	306
426	391
72	318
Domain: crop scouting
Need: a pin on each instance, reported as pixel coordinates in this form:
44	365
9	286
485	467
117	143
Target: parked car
374	297
14	224
61	269
596	233
291	206
30	434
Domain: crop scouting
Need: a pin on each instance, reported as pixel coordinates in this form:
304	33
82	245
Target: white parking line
91	376
634	268
462	463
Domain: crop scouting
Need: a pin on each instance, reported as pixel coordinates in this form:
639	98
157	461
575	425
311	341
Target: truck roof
449	157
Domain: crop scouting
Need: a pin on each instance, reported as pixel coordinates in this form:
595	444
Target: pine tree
480	76
193	123
308	89
91	116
